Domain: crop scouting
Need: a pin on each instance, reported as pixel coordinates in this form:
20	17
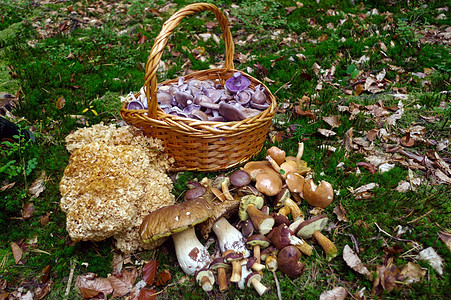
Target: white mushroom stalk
230	238
191	254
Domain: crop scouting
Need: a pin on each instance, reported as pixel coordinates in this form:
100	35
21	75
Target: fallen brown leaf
17	252
290	9
7	186
120	287
150	271
326	132
340	211
147	294
332	121
446	238
163	277
41	294
354	262
27	210
60	102
38	186
91	286
412	272
46	274
45	219
386	277
337	293
299	112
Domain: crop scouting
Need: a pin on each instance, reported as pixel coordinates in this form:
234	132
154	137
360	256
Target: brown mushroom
234	258
277	154
268	181
220	266
205	279
250	208
179	220
288	262
239	178
320	196
257	242
283	200
254	279
313	227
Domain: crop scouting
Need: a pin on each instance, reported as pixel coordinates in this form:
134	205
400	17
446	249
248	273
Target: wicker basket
200	145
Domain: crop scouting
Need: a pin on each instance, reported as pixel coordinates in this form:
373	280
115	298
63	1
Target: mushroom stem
236	271
300	153
258	286
296	212
235	259
271	265
229	238
222	280
284	210
261	221
225	190
206	284
329	248
256	252
191	254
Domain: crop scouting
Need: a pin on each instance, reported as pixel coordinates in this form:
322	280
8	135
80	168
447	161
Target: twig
286	83
393	237
71	277
413	221
279	294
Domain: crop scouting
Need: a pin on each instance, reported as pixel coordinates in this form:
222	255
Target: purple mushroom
237	83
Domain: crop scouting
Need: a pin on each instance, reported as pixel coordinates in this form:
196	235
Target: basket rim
162	116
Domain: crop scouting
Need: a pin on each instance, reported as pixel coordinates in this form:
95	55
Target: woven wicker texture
200	145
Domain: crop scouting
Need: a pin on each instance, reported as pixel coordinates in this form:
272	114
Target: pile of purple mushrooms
256	219
207	100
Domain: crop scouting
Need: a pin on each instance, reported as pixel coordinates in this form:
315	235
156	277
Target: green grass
93	66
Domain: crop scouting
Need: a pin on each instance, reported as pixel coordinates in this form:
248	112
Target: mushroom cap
295	182
230	112
201	274
258	240
195	192
277	154
281	197
231	255
269	184
288	262
220	209
256	167
253	275
245	202
280	236
247	228
306	229
174	218
240	178
280	219
135	104
320	196
237	82
219	262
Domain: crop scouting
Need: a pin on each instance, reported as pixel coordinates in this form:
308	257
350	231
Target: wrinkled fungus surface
114	178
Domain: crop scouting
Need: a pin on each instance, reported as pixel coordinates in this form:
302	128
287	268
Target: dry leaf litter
115	177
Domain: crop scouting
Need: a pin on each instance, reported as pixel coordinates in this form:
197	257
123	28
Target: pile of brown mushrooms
208	100
270	234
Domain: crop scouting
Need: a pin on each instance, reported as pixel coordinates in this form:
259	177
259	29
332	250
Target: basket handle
161	40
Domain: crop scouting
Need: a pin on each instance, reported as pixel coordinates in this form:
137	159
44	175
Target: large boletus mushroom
179	220
313	227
